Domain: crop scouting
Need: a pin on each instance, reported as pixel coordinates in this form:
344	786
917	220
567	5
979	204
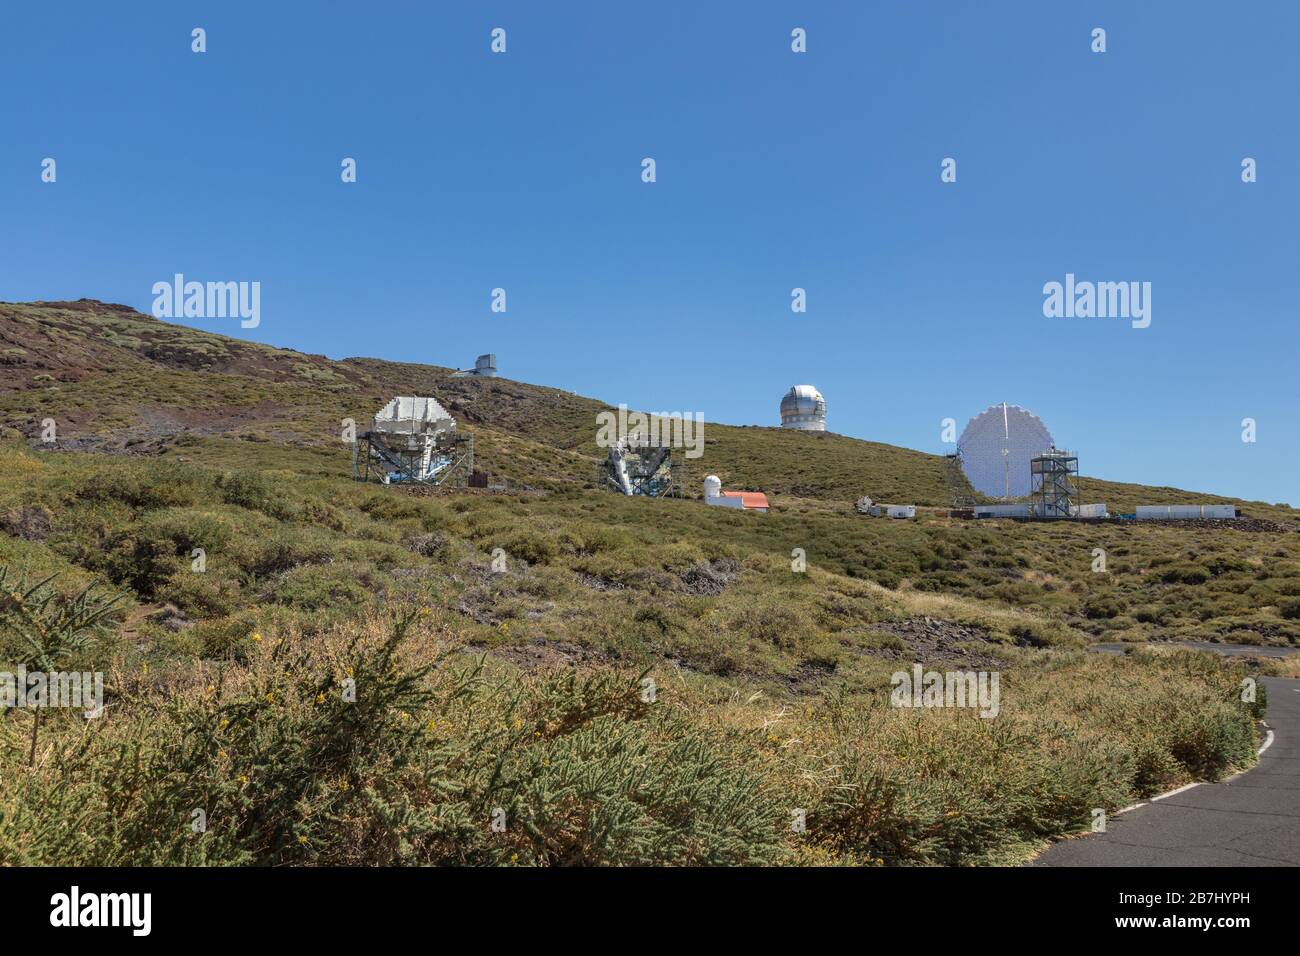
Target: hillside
122	382
119	379
774	682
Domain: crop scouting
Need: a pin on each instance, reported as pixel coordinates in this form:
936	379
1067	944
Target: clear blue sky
775	170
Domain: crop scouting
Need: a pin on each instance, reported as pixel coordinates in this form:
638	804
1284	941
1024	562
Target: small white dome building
803	408
740	500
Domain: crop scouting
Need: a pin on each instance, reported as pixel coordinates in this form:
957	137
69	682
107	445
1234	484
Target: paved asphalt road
1230	650
1251	820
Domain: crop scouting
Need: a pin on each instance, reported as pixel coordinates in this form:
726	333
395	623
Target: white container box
1002	511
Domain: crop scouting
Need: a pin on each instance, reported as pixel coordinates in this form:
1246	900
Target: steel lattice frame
1055	475
378	453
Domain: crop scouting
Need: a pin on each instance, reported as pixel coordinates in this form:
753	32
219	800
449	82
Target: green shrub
1185	574
773	622
392	506
142	564
184	529
288	768
531	546
319	587
1102	606
251	490
159	487
200	595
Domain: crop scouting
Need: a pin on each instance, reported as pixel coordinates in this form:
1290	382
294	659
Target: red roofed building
749	500
740	500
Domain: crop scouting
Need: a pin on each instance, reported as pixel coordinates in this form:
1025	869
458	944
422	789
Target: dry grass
772	685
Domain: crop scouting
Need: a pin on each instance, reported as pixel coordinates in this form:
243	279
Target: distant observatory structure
485	366
803	408
996	447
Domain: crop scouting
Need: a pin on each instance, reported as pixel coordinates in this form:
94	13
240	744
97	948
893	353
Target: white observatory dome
712	486
804	408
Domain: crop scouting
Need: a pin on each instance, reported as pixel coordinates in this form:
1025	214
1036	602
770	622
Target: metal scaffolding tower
1054	476
959	487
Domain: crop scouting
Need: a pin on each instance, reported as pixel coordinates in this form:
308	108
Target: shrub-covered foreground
259	586
385	743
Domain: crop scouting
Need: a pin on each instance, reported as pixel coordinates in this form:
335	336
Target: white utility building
1183	512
